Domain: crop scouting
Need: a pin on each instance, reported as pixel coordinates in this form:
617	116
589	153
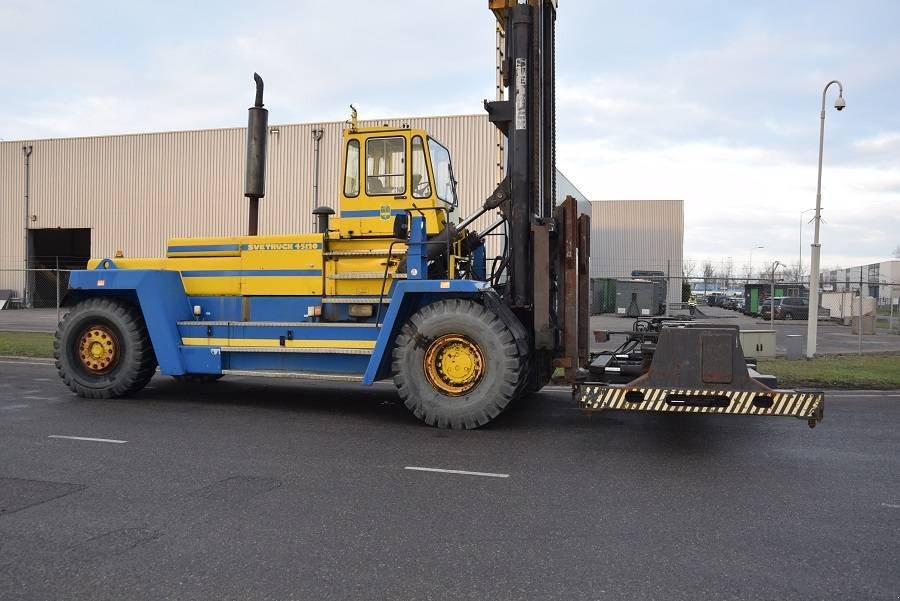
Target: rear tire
456	364
103	350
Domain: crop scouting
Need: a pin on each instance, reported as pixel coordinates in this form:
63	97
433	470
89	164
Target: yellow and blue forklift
394	285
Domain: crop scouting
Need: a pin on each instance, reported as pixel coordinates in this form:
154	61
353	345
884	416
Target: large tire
103	350
429	345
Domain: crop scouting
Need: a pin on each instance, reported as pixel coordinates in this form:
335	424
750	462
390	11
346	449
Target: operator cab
390	171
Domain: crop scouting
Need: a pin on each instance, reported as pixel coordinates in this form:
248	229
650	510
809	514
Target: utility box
640	298
603	295
868	324
758	344
794	347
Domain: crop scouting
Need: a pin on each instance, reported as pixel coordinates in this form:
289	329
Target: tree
747	271
709	273
793	273
727	272
688	267
897	252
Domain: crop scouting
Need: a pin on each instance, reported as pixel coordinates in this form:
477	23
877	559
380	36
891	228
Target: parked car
792	307
786	307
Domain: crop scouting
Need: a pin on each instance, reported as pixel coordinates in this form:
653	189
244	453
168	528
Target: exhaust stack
257	137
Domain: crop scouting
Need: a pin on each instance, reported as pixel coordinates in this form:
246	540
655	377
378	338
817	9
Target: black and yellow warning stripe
803	405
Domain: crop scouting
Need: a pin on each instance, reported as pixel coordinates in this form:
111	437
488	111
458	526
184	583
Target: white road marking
891	505
88	439
28	362
8	407
461	472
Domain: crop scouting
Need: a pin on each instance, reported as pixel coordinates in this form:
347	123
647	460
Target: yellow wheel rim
98	349
454	364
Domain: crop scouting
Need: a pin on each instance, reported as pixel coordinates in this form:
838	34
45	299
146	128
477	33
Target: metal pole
668	283
57	289
891	300
26	293
813	324
860	309
772	301
317	136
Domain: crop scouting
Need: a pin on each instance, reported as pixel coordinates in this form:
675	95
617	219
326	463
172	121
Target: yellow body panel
385	206
350	260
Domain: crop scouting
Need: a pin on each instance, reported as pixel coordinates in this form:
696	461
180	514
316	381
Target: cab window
351	173
443	172
385	166
421	185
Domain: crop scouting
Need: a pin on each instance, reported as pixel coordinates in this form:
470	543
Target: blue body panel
408	297
161	297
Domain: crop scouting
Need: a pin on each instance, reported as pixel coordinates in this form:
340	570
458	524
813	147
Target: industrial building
638	235
880	280
95	196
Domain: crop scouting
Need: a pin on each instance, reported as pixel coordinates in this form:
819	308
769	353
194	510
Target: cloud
738	197
888	141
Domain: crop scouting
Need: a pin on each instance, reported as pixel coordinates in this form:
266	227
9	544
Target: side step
357	300
364	253
366	275
295	349
296	375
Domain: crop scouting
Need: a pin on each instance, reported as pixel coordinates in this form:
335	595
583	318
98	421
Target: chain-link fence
38	289
44	286
648	293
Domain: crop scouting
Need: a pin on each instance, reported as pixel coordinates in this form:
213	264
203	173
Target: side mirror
401	226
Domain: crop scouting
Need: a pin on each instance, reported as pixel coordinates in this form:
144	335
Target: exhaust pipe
257	137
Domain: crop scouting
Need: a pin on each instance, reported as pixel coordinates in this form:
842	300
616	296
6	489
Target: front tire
456	364
103	350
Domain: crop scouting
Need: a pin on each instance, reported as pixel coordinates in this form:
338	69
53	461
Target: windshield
445	186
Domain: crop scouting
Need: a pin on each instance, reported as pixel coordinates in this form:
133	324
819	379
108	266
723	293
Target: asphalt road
261	489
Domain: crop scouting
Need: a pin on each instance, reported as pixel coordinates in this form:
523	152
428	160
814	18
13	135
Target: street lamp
751	261
772	297
800	256
813	320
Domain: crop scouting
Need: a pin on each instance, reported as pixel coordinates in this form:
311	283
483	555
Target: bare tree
793	273
709	273
727	272
747	272
688	268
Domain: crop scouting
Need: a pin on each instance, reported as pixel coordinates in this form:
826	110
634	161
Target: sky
715	103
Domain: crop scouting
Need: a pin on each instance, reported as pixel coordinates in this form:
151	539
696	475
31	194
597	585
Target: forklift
395	286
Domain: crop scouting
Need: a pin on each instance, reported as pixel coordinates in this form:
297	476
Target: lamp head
839	104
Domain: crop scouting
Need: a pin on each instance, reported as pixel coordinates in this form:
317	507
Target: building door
49	249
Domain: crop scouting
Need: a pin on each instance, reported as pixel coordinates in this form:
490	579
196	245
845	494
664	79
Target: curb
19	358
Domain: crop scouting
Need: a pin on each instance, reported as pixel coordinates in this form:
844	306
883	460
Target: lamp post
750	273
800	256
772	297
813	320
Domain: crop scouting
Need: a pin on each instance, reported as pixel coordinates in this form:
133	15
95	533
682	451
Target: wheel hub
454	364
98	349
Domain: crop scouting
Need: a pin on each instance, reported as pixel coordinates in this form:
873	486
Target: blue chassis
164	303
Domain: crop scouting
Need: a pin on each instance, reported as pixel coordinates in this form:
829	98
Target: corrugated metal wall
135	191
637	234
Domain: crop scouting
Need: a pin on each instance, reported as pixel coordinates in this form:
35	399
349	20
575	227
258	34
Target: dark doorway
51	249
